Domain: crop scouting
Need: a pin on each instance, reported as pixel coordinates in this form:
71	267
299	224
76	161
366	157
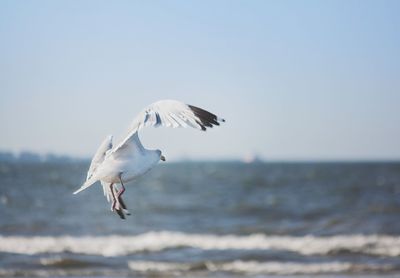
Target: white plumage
129	159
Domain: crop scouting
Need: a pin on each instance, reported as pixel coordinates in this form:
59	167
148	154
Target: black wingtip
207	119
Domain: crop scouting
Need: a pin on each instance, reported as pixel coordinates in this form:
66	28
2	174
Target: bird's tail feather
87	183
106	190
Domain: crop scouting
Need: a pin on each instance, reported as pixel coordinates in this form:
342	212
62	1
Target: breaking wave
113	245
254	267
162	269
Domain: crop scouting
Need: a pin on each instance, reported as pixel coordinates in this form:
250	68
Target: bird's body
128	164
129	159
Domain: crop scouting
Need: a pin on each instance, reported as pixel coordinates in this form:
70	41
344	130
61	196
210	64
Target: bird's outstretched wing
97	159
170	113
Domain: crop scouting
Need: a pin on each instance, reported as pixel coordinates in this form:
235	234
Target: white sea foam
151	266
254	267
111	246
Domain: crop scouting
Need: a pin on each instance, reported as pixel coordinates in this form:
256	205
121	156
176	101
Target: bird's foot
127	212
120	213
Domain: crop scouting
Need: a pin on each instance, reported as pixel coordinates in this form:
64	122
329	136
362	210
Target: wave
162	269
114	245
66	262
254	267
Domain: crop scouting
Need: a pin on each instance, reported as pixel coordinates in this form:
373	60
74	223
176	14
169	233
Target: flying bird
128	160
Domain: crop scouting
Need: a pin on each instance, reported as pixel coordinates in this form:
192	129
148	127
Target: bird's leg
116	206
119	197
120	192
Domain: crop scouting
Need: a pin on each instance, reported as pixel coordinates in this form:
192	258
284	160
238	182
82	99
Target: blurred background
302	179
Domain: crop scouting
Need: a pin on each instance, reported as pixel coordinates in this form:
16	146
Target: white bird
129	159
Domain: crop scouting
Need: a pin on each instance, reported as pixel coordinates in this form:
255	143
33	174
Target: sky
295	80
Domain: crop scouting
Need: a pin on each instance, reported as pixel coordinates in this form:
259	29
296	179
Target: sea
204	219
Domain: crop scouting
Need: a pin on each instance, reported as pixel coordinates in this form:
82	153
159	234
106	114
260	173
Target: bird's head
160	155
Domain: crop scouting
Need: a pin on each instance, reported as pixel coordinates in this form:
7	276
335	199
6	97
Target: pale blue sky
294	79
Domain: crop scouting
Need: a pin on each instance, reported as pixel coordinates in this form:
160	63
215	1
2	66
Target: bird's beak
162	158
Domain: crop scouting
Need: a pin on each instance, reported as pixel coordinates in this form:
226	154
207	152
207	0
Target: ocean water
204	220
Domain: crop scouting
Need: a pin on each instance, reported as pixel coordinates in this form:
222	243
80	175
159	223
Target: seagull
128	160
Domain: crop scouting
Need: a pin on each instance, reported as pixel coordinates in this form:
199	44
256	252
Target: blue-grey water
203	220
